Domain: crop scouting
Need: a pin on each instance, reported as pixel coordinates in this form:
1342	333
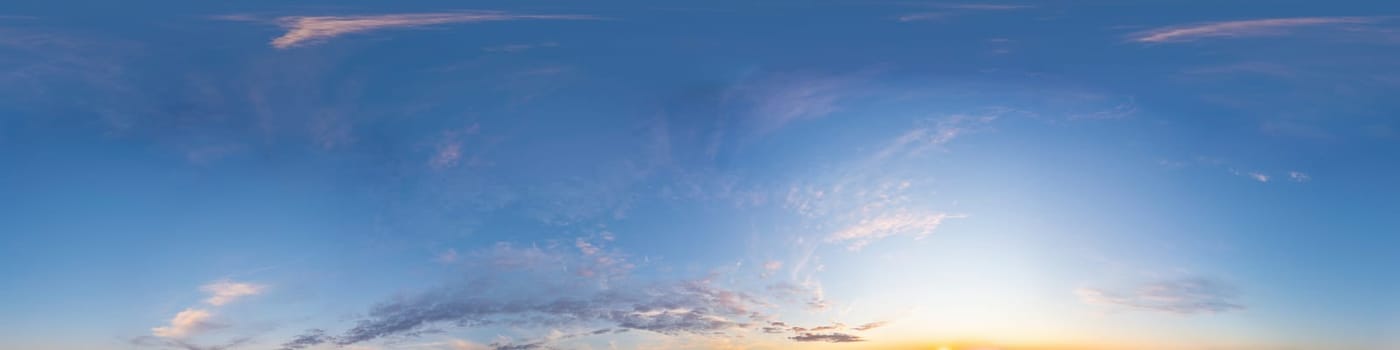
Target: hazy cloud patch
1182	296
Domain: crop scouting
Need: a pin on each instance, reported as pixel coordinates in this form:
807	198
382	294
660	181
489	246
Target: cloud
513	48
771	267
447	155
826	337
943	131
1183	296
1240	29
692	307
192	320
1259	177
1296	176
870	326
957	9
809	292
1252	175
775	101
307	30
311	337
922	16
1119	111
458	344
225	291
447	257
986	7
544	287
147	341
185	323
874	228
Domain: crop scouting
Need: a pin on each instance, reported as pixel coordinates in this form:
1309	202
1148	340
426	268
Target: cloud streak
308	30
827	337
1241	29
224	292
1183	296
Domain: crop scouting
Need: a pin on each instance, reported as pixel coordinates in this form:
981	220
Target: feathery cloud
943	131
306	30
774	101
225	291
871	229
1183	296
1239	29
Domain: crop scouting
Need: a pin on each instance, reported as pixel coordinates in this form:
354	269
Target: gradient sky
448	175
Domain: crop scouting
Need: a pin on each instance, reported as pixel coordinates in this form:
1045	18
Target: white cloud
185	323
1252	175
305	30
1259	177
225	291
1238	29
1298	176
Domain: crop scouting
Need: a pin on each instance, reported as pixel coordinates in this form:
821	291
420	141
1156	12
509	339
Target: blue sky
713	175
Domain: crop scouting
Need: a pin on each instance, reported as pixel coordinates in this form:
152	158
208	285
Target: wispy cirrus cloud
308	30
776	101
1240	29
1181	296
941	132
875	228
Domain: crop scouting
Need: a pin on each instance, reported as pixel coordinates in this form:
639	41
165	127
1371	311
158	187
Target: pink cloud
306	30
1237	29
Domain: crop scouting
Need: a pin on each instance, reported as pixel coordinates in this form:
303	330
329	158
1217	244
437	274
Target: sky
529	175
